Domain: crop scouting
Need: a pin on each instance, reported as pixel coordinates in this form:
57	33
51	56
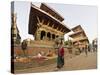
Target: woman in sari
60	58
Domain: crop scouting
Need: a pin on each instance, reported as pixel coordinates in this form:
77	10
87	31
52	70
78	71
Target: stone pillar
46	38
38	35
51	37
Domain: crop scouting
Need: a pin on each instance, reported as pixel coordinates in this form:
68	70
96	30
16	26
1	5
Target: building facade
15	37
79	37
45	24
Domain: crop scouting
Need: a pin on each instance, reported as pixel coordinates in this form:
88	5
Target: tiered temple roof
79	34
51	11
38	14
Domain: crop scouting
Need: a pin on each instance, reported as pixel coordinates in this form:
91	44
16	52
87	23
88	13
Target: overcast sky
74	15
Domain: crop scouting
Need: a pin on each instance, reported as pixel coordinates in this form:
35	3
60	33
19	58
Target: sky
74	15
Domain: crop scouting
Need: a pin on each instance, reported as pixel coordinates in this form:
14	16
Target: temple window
57	36
53	36
43	33
49	35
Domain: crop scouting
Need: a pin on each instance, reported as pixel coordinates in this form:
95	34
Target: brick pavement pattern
80	62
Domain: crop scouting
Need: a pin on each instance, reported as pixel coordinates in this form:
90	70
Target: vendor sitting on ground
50	53
41	55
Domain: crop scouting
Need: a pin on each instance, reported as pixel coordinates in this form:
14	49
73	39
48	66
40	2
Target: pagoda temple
15	36
80	39
45	24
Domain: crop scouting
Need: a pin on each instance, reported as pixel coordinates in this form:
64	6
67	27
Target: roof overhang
34	12
76	33
81	39
51	11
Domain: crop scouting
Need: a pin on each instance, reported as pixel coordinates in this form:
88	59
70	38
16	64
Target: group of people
48	54
60	54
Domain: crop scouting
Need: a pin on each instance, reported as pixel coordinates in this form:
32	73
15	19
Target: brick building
79	37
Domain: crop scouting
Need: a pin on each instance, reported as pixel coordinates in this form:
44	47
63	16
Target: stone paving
80	62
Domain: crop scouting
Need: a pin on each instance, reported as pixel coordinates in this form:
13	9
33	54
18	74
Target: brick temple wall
32	50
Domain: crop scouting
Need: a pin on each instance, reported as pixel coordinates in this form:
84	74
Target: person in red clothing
60	58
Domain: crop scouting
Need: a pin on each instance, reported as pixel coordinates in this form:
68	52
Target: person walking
86	50
24	47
